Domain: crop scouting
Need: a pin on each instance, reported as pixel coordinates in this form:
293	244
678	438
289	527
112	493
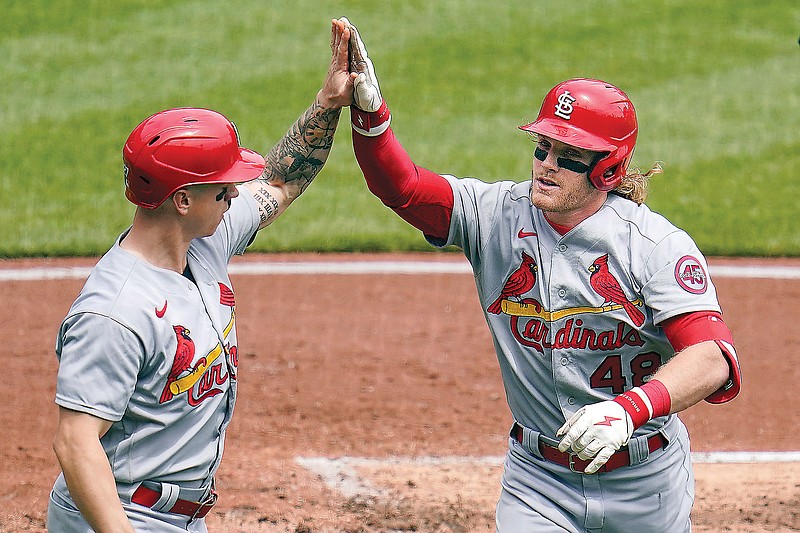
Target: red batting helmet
180	147
593	115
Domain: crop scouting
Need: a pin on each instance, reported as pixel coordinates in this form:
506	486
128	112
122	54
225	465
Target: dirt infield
397	370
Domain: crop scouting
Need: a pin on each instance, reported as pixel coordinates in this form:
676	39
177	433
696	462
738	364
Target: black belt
570	460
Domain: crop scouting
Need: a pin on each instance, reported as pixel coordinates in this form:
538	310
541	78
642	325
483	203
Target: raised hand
337	91
367	94
369	114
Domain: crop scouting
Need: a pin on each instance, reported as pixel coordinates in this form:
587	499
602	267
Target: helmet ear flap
609	170
605	173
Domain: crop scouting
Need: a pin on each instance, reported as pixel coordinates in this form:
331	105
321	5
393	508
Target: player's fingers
354	49
582	442
359	50
569	423
570	440
590	450
341	49
350	31
360	84
338	29
599	460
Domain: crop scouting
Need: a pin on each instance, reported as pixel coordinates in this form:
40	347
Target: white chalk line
341	473
372	267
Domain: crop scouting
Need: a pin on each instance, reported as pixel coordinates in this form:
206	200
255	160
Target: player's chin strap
369	115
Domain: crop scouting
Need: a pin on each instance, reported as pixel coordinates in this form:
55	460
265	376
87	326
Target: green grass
716	87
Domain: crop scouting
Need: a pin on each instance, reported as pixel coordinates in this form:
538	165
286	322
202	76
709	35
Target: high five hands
370	116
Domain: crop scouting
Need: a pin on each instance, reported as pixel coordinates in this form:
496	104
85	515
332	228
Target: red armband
370	124
694	328
651	400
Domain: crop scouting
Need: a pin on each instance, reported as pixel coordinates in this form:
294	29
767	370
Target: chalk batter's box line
697	457
341	475
372	267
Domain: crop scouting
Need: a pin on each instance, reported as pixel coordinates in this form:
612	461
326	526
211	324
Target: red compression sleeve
694	328
422	198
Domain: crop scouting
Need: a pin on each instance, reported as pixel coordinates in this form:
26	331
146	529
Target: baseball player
603	316
148	352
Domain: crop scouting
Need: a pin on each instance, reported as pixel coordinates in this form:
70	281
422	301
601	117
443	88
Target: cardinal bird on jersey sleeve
519	282
183	360
607	286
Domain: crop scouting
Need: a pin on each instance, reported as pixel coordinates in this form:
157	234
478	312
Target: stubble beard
559	202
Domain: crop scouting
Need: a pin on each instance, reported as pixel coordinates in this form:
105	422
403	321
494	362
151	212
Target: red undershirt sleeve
422	198
693	328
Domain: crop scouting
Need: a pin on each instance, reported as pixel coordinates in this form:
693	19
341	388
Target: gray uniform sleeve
677	279
240	224
476	206
99	361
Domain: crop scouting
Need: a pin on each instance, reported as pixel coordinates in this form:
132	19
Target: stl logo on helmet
564	106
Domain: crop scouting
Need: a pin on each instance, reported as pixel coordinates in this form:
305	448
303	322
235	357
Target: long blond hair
634	183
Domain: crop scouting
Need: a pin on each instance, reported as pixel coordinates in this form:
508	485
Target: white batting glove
367	93
595	432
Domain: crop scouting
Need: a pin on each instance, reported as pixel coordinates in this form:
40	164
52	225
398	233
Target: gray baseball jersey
573	320
156	354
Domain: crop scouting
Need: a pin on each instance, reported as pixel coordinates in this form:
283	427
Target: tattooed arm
295	161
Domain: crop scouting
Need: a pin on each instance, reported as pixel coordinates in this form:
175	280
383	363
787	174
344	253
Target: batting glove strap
371	124
651	400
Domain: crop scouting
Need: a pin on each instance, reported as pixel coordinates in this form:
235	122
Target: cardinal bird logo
184	355
226	295
607	286
519	282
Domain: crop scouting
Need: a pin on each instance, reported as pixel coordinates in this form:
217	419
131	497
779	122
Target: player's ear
182	199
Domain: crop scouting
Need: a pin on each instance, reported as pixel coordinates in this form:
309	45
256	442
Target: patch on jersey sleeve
691	275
